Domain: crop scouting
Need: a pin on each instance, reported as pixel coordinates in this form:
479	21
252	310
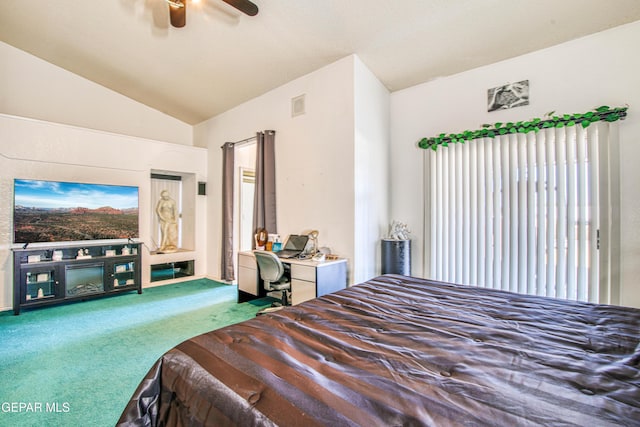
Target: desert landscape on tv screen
51	211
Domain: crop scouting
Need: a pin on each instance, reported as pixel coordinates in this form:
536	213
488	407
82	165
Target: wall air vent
297	106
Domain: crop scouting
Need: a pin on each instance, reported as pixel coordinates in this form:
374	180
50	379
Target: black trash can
396	257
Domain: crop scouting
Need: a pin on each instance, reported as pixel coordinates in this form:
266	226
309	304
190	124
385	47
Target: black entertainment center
99	222
55	274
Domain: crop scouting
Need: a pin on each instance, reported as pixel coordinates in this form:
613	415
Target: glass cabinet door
124	274
39	285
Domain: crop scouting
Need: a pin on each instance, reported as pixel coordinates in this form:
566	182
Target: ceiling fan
178	10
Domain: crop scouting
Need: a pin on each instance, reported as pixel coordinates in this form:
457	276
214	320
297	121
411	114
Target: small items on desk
265	241
298	246
273	243
324	254
261	238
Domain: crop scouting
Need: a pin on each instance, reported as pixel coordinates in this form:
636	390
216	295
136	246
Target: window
527	213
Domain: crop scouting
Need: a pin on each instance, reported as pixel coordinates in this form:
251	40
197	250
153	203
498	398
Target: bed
398	350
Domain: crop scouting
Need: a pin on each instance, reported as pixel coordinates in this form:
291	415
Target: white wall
371	170
31	87
315	158
601	69
33	149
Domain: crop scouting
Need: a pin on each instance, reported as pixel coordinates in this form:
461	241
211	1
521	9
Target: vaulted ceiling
222	57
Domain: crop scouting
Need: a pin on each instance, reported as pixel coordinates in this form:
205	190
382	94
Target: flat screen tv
52	211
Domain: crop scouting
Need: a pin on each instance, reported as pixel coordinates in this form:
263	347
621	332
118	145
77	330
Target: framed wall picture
508	96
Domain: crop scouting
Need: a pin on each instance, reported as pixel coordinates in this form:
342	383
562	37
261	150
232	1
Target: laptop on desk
294	246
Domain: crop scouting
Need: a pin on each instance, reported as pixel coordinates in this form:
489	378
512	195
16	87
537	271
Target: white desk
309	279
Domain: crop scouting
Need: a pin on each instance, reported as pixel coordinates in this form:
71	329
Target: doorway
244	189
247	191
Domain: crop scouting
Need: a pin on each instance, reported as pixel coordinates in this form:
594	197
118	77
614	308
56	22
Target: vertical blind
518	212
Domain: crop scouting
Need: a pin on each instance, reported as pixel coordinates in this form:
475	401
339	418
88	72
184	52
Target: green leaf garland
603	113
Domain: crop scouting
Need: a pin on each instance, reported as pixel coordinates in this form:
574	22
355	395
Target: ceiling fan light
175	3
177	13
178	10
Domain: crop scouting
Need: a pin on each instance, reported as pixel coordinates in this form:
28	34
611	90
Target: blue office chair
272	272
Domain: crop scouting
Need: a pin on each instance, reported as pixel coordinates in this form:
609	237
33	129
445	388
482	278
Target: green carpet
78	364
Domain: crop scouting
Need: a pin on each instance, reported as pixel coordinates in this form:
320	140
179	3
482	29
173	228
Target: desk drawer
248	280
303	272
247	260
302	291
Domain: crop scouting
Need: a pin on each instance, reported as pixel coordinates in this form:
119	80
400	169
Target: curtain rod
241	142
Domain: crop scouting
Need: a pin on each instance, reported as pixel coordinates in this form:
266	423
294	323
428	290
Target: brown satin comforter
404	351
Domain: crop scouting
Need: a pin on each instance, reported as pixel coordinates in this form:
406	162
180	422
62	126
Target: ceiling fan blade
177	13
244	6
